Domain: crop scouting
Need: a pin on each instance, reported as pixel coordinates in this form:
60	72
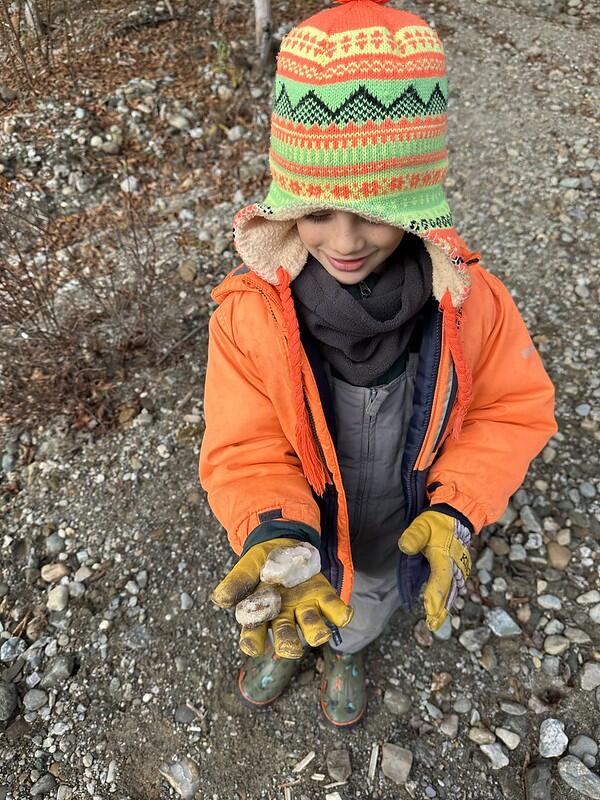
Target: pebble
555	645
481	736
129	184
338	764
54	572
510	738
587	490
512	708
34	699
183	776
396	762
530	522
501	623
538	781
58	670
558	555
594	613
517	553
589	598
581	746
12	648
8	700
549	602
54	544
473	640
58	598
496	755
449	725
396	701
553	740
590	676
186	601
579	777
45	785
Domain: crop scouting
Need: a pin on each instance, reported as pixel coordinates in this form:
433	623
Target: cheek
309	236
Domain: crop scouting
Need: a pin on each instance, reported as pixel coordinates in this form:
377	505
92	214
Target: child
370	387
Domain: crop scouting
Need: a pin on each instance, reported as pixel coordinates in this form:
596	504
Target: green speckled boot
263	678
343	688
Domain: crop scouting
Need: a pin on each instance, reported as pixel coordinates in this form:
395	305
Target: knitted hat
358	124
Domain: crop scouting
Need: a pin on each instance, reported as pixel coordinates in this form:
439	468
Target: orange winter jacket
249	463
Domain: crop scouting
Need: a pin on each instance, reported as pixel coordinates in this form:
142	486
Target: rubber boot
343	688
263	678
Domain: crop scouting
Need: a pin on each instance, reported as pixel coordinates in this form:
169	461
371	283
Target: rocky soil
117	674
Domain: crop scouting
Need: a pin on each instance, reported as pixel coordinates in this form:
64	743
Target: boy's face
334	236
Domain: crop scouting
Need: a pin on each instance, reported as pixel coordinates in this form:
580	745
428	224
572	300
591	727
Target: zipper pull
364	289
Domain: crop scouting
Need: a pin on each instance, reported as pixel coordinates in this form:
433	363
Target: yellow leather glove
308	604
443	540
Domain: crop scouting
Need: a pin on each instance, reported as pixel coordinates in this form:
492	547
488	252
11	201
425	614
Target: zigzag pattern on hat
361	106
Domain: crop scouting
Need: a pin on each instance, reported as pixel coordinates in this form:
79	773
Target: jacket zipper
364	290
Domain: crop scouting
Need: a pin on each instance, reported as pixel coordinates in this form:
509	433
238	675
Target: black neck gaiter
363	336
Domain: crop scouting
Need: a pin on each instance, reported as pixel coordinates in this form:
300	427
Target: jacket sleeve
509	421
247	466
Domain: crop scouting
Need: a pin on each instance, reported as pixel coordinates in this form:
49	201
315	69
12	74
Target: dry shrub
75	320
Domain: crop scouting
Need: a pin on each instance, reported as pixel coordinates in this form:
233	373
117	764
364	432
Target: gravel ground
114	663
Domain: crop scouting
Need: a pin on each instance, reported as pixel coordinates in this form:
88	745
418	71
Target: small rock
550	602
449	725
8	700
481	735
55	544
530	522
589	598
581	746
12	648
183	776
538	781
261	606
512	708
45	785
590	676
54	572
58	670
396	762
553	740
34	699
338	765
579	777
129	184
58	598
474	640
501	623
496	755
510	739
555	645
289	566
517	553
186	601
396	701
558	555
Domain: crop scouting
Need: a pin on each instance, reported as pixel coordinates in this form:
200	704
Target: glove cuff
280	529
444	508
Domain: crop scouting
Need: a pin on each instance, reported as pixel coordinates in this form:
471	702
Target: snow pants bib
372	424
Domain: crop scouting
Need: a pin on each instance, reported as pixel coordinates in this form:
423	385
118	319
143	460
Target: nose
348	240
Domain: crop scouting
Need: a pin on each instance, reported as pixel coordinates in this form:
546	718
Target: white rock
261	606
289	566
553	740
510	738
57	598
495	754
